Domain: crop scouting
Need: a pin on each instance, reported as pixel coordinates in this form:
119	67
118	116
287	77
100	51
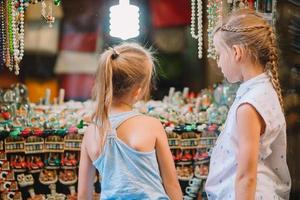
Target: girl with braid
249	159
130	150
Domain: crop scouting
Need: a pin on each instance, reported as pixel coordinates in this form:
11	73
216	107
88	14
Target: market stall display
41	143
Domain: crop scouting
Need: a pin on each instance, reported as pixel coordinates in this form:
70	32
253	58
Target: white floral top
273	178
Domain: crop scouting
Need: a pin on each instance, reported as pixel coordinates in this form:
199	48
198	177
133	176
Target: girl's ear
237	52
137	93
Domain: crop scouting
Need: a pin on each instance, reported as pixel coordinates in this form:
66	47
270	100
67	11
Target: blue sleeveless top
127	173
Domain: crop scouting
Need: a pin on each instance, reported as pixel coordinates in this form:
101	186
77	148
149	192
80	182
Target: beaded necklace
197	11
12	30
214	10
18	30
7	51
10	23
3	26
1	34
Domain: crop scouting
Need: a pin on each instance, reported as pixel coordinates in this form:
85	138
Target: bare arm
166	164
86	173
250	126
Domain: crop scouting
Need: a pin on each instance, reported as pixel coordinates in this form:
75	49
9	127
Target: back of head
120	69
247	28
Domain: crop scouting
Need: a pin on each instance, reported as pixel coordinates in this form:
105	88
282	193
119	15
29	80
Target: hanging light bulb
124	20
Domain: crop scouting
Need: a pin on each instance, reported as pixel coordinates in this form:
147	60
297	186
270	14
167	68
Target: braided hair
247	28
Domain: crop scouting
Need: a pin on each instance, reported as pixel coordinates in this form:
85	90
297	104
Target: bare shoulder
247	110
248	116
147	122
90	132
144	125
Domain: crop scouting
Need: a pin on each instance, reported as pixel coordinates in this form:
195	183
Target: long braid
273	66
241	29
250	29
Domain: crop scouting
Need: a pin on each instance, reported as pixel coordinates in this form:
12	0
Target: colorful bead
57	2
1	35
214	10
15	133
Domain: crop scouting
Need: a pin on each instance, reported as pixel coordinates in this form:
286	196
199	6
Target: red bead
26	132
6	115
192	95
38	131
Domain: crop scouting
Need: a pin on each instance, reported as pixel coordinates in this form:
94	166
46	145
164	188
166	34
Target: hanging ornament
12	33
199	34
50	19
239	4
214	10
57	2
12	14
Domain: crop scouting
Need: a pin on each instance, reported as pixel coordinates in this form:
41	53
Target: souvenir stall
40	142
40	146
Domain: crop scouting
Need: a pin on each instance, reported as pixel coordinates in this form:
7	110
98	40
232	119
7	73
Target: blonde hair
245	27
120	69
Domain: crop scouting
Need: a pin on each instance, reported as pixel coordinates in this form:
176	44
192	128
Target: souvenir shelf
7	176
2	156
73	142
191	140
68	177
4	166
14	145
174	143
18	162
25	180
201	169
184	171
8	185
48	176
11	195
207	142
54	143
34	144
70	160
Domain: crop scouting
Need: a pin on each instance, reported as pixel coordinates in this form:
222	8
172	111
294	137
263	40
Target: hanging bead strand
1	34
214	10
197	11
7	50
14	34
200	35
21	33
193	10
10	23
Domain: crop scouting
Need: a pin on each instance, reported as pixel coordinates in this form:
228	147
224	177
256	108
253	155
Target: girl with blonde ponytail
249	158
129	150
